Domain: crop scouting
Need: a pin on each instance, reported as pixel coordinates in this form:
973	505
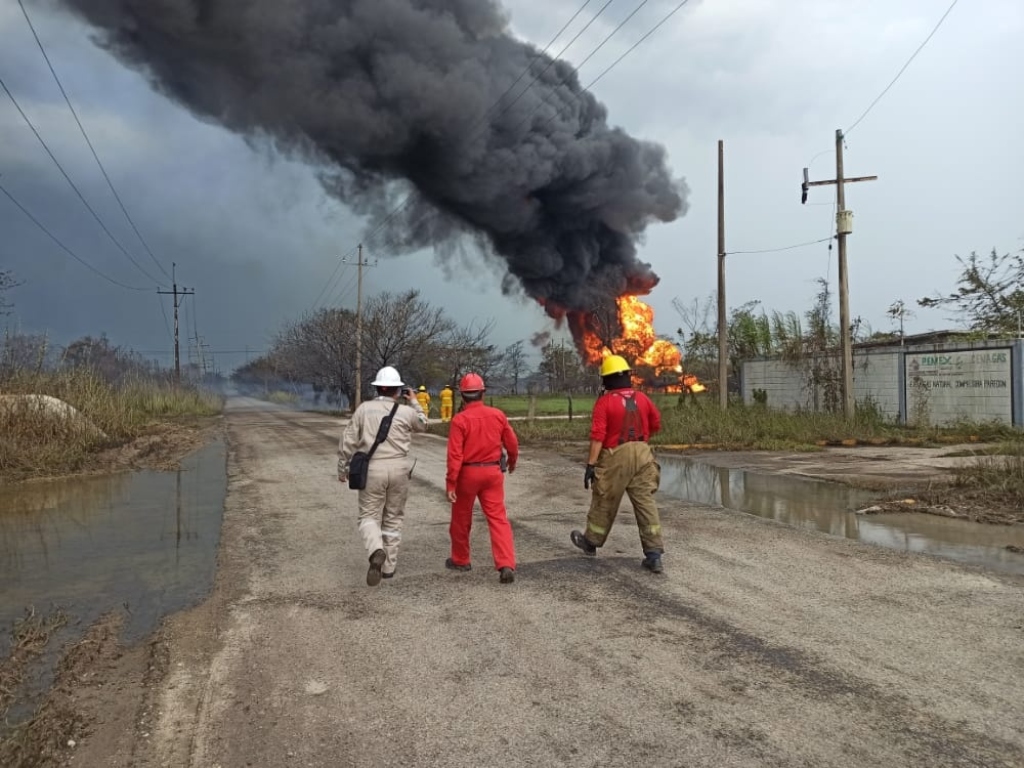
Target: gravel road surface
761	645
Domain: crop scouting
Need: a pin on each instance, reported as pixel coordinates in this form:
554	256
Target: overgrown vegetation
997	476
699	423
989	297
115	400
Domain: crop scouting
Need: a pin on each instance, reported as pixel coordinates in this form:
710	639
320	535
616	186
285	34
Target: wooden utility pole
359	329
844	226
723	341
360	263
176	293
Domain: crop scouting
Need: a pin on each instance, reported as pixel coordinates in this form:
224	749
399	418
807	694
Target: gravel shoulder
762	645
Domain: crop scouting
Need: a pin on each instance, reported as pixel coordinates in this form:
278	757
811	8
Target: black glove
589	476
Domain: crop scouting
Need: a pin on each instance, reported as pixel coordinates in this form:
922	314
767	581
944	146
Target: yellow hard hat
613	364
422	388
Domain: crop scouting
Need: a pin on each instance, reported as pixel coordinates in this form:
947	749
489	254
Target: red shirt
610	413
476	436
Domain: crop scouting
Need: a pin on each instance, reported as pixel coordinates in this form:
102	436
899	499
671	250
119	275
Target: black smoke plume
377	91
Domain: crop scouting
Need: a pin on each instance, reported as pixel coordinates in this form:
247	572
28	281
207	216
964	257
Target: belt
482	464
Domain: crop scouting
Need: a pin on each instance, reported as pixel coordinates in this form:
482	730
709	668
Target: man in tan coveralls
382	502
621	462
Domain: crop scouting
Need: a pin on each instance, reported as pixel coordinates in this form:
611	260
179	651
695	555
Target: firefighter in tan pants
382	501
621	462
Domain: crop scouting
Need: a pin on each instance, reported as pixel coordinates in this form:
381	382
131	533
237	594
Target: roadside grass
996	476
700	424
36	442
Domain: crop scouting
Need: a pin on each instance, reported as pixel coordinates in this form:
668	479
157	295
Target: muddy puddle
830	507
144	543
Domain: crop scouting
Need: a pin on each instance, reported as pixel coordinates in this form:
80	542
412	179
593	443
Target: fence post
531	412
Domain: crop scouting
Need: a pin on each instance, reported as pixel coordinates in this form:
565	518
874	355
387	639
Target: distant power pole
844	226
723	341
176	293
359	325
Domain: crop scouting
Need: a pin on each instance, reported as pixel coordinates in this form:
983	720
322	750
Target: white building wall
949	385
877	376
785	385
937	384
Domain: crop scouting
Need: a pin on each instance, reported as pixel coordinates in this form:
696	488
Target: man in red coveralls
475	440
621	461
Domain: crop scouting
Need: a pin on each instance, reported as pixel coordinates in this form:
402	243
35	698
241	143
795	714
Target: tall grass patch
41	437
999	475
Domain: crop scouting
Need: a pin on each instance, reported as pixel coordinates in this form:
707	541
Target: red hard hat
471	382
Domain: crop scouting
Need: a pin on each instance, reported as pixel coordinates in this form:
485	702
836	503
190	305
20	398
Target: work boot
376	562
579	540
451	566
652	562
506	575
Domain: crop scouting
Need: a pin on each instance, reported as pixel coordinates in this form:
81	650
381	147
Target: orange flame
637	342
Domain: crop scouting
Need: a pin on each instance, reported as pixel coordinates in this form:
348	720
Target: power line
902	69
546	48
628	51
332	281
784	248
831	237
579	66
344	290
566	48
72	183
167	324
63	247
88	141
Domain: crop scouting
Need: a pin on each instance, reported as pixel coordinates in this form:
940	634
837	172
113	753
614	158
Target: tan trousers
629	468
382	507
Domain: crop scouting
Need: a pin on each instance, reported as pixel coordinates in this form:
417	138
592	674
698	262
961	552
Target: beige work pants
629	468
382	507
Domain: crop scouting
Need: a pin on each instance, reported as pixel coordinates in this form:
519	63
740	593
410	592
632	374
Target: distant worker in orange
423	397
477	440
621	462
447	397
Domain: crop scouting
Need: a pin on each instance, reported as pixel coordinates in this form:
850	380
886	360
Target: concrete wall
961	382
937	383
786	386
876	375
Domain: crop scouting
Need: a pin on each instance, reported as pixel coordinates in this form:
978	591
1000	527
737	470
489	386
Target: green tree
989	297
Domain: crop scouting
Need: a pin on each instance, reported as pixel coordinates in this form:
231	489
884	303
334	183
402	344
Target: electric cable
167	324
779	250
902	69
67	178
63	247
546	48
88	141
628	51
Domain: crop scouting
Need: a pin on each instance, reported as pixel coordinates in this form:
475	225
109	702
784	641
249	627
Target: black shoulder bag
360	463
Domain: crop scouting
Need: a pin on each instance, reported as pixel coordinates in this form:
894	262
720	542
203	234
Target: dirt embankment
98	688
161	448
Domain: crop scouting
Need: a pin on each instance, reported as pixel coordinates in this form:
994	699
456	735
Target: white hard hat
388	377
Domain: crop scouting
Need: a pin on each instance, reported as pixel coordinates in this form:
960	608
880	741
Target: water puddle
145	543
829	508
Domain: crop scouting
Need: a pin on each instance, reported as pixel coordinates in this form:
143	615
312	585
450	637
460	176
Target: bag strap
382	431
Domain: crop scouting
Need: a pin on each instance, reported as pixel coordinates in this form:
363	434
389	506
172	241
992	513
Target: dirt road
761	646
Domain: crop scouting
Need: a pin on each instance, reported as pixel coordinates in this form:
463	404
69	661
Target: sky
258	239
